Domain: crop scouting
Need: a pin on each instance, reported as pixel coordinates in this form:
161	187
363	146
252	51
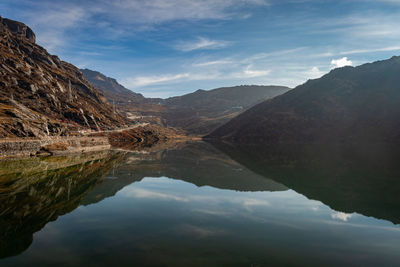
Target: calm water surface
203	205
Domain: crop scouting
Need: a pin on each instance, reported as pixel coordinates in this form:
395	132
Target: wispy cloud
51	26
120	18
276	53
142	81
249	72
212	63
157	11
200	43
371	50
145	193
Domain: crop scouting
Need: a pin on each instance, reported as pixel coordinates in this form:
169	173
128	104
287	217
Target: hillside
133	105
41	95
203	111
110	88
199	112
348	104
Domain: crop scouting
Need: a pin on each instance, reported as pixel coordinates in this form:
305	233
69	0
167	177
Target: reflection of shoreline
32	196
347	178
19	167
197	163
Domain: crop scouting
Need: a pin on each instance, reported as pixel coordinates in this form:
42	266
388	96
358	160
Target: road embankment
52	146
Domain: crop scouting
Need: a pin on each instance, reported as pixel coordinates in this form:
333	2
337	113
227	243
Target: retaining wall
52	145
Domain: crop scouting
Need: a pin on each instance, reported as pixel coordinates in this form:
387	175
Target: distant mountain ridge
41	95
199	112
202	111
348	104
111	89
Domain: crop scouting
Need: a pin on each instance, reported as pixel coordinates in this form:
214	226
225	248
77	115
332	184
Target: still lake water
204	205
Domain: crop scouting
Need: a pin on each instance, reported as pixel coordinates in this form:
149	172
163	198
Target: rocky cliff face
40	94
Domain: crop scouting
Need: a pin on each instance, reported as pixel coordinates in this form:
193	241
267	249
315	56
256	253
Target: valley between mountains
65	109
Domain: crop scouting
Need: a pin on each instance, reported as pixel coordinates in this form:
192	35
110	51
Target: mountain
41	95
203	111
348	104
111	89
133	105
199	112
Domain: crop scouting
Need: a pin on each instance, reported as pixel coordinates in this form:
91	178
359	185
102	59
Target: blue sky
163	48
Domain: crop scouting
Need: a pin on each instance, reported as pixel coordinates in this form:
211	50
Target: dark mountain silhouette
348	104
203	111
42	95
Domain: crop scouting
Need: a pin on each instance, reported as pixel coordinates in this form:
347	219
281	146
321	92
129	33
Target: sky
163	48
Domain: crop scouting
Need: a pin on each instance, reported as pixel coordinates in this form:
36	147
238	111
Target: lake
204	204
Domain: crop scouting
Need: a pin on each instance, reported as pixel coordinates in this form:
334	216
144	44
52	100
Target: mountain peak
19	29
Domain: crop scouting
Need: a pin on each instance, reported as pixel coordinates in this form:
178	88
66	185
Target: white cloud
200	44
341	62
341	216
314	73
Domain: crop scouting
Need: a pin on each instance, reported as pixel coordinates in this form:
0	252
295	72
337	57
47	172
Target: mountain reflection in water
195	205
362	178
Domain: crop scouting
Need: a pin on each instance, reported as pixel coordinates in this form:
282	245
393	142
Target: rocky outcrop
19	29
41	95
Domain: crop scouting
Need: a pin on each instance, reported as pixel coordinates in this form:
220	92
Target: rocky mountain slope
41	95
349	104
133	105
199	112
111	89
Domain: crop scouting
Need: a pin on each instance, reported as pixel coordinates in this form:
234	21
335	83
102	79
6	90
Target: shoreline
26	147
66	145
